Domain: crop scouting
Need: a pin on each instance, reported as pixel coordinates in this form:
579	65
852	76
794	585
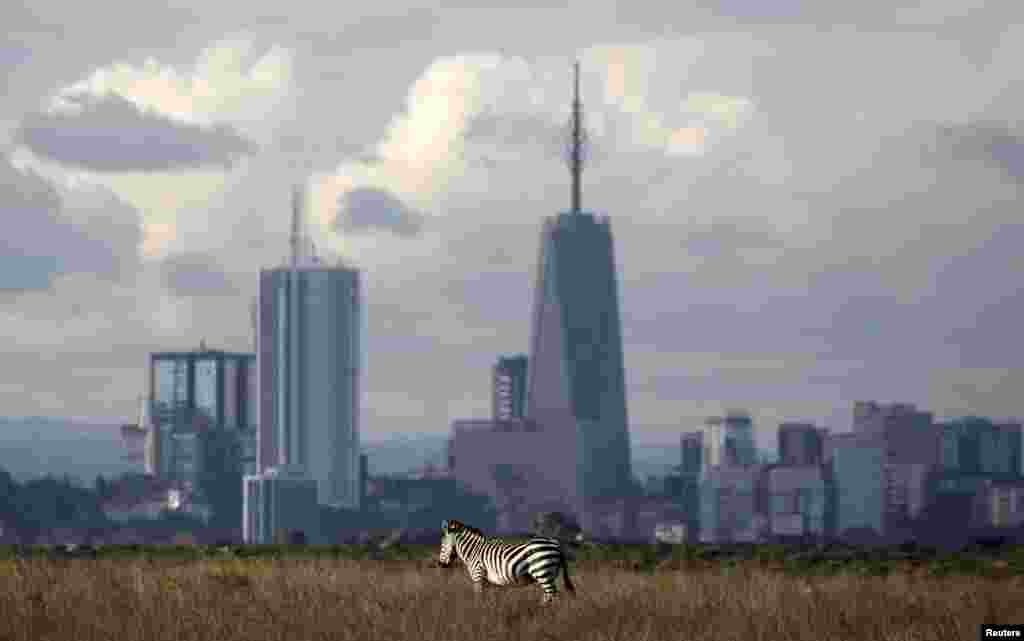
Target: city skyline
797	226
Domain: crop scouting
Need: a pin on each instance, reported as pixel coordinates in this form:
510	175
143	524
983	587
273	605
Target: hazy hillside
34	447
402	453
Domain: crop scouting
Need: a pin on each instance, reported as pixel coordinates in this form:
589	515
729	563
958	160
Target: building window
170	396
206	388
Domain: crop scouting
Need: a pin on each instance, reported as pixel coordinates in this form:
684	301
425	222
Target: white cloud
433	151
232	83
227	84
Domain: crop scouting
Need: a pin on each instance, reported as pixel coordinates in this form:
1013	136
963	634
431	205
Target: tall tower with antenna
295	240
309	352
576	381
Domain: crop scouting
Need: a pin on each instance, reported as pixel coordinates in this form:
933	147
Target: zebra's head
451	532
448	530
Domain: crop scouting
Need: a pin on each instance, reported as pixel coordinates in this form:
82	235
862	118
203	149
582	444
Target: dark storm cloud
110	133
196	274
366	209
47	233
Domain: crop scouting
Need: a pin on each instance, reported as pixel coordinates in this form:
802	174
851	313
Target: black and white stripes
503	563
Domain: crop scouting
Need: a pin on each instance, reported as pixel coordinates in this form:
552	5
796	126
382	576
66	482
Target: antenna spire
296	235
577	140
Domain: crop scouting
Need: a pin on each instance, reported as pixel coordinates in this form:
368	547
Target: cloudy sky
813	202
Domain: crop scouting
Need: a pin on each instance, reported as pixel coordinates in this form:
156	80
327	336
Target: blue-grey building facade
577	374
976	445
729	440
195	391
858	471
800	444
508	400
309	346
280	501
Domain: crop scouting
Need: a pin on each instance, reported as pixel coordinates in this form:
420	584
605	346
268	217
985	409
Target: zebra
504	563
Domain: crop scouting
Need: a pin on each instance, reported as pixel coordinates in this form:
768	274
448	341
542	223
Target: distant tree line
31	510
47	503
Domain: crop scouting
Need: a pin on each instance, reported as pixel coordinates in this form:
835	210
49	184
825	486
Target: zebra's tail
569	587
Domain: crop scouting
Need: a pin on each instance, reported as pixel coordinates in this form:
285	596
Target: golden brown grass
364	600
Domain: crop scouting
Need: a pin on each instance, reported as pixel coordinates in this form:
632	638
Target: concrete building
192	392
797	501
309	362
858	471
909	489
508	395
975	445
910	435
800	444
521	467
280	501
635	520
732	504
729	440
692	446
1005	503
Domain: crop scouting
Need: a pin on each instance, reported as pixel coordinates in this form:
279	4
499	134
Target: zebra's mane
456	526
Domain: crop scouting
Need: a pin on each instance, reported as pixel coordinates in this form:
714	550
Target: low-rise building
282	500
520	467
797	501
732	504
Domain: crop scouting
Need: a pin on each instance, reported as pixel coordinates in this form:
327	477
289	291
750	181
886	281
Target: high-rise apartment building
910	435
577	374
857	463
800	444
975	445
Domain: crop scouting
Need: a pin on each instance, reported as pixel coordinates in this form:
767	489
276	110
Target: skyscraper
577	378
309	352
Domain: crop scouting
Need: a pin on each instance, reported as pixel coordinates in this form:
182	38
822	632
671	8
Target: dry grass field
295	600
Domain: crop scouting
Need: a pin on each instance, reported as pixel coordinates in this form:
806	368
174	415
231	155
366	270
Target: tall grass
364	600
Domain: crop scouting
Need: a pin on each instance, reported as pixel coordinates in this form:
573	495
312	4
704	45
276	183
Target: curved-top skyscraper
577	375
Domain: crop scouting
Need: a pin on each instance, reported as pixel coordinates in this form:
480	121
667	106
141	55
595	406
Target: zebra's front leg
478	575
